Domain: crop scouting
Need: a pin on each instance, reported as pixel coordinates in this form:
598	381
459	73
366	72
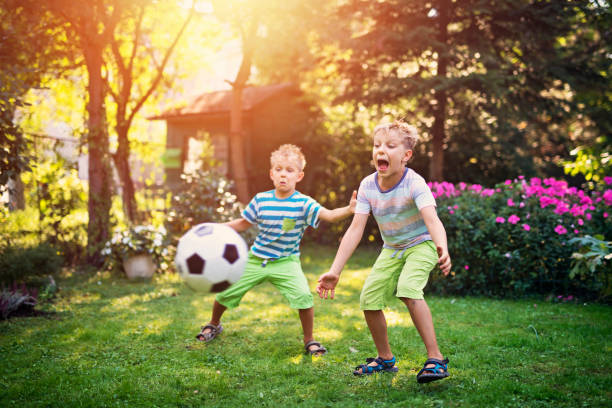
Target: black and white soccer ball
210	257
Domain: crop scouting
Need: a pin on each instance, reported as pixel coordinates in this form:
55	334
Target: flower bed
513	239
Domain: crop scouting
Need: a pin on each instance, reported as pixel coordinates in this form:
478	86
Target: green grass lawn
110	342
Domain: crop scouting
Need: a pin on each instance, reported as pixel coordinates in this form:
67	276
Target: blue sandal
383	365
437	372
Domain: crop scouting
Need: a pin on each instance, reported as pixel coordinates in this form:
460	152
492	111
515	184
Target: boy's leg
217	311
307	320
230	298
289	279
378	329
215	320
377	289
419	261
421	317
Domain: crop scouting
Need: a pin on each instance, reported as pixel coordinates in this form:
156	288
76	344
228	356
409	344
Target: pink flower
560	229
513	219
526	227
508	182
588	216
511	203
607	196
605	214
580	221
455	206
608	180
467	267
451	212
576	231
500	220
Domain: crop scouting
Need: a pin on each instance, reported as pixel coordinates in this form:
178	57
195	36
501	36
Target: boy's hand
353	202
327	285
444	260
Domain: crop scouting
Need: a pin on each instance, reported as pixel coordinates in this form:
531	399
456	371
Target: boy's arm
350	240
438	235
340	213
239	224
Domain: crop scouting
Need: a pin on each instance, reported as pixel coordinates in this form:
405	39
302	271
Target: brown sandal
319	351
213	331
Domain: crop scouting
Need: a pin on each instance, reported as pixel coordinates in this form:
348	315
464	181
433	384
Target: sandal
383	365
211	334
319	351
437	372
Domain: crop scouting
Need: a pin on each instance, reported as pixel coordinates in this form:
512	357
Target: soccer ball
210	257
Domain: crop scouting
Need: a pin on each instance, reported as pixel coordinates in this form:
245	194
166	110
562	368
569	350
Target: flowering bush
514	239
138	240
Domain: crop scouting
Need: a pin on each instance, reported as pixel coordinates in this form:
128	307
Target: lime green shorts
285	273
398	274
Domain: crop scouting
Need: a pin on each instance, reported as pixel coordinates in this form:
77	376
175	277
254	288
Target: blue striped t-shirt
281	222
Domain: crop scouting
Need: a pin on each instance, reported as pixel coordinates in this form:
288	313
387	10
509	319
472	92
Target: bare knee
412	302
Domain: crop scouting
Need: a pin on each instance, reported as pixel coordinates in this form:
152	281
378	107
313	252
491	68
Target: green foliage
26	53
19	264
593	261
206	196
515	240
61	200
137	240
593	161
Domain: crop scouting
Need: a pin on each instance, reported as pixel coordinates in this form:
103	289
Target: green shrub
515	239
205	197
23	264
593	261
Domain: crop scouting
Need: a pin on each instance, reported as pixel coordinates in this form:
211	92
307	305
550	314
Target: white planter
139	267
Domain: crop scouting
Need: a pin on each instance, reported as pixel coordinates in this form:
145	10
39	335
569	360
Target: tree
265	28
480	77
27	37
91	26
135	68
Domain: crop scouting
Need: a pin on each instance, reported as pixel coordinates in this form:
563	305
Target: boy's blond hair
287	151
408	133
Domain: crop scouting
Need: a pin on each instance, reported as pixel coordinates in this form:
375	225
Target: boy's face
285	174
389	153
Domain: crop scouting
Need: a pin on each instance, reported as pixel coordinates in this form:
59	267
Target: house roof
221	101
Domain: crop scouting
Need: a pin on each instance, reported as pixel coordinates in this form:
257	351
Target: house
272	115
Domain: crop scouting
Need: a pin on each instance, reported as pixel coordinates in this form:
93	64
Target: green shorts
404	275
284	273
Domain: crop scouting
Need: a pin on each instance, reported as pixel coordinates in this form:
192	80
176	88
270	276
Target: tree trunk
238	168
436	167
121	159
99	166
237	155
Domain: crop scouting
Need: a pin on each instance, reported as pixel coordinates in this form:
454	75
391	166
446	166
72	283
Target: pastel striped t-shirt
281	222
397	210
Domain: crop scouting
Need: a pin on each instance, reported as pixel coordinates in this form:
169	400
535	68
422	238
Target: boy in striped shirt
414	242
282	215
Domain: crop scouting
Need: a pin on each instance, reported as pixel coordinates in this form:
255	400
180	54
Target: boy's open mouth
382	164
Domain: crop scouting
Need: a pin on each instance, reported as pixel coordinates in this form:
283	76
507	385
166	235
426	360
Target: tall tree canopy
28	37
484	79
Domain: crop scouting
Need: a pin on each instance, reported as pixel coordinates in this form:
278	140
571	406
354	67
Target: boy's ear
300	176
408	156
